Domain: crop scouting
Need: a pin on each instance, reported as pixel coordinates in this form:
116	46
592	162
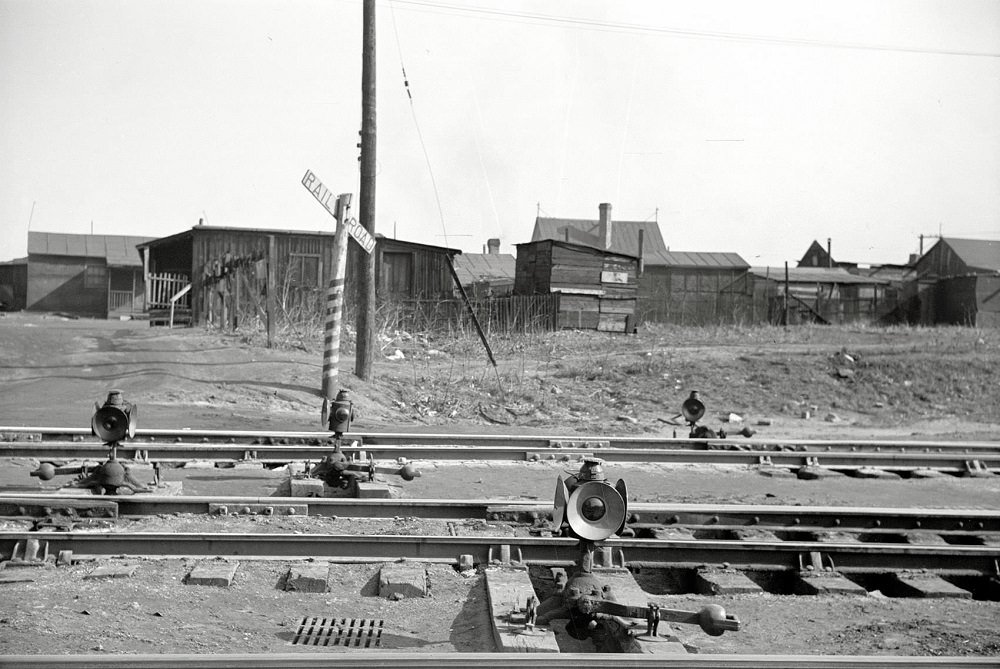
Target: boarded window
397	271
95	276
304	270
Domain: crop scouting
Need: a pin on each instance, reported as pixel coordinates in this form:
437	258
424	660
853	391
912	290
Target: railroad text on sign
326	198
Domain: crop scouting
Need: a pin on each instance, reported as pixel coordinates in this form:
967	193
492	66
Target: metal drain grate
348	632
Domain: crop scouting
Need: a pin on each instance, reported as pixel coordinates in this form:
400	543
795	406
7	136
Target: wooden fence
722	308
502	315
121	300
162	287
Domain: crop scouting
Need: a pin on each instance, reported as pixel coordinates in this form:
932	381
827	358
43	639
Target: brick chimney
604	225
493	246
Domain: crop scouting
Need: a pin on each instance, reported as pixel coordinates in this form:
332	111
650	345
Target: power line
611	26
420	135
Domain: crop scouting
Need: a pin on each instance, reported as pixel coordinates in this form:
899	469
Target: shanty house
696	288
411	271
818	294
597	288
216	274
676	287
86	275
957	282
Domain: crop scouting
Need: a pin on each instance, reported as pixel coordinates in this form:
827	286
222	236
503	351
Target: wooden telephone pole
366	199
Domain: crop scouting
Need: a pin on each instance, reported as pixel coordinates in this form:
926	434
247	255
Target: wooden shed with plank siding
226	269
597	289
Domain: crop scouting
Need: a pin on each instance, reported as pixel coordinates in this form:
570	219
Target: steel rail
848	557
529	442
370	659
953	461
705	516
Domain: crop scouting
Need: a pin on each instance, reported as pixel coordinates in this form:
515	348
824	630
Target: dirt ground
850	382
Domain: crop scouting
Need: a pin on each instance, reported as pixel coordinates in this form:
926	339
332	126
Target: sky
752	127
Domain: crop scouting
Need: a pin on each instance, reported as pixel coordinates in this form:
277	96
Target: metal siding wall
56	283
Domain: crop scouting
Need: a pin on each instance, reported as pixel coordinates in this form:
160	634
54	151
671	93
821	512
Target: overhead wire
611	26
416	123
482	163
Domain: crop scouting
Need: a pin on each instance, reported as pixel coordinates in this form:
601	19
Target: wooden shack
84	275
412	271
819	295
597	289
694	288
955	282
217	274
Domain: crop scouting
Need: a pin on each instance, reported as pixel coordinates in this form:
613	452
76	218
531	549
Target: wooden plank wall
598	289
211	245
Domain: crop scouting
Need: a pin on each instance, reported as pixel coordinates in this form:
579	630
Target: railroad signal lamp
592	507
595	511
114	420
341	413
693	408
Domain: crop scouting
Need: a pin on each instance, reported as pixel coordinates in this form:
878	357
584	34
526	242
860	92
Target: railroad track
277	448
848	557
366	659
956	525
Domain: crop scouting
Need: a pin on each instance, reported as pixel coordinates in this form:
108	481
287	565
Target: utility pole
366	193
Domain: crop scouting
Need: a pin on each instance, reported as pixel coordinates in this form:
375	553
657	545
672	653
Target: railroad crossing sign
325	197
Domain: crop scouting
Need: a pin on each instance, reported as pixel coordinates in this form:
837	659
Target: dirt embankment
815	381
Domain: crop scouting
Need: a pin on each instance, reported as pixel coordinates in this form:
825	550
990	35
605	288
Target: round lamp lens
593	509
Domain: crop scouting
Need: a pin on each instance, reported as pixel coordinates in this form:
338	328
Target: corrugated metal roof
695	259
624	234
813	275
472	267
117	250
978	254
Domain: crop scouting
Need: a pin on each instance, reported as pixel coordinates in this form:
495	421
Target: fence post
272	258
236	297
786	294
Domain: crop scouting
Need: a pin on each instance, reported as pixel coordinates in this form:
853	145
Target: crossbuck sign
329	202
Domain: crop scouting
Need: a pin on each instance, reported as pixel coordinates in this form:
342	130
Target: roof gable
624	234
977	254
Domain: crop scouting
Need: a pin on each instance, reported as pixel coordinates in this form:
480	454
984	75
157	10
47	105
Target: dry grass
889	375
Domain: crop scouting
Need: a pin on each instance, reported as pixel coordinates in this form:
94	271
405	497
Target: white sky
140	117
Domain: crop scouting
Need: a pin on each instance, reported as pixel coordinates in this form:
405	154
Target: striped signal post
335	307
